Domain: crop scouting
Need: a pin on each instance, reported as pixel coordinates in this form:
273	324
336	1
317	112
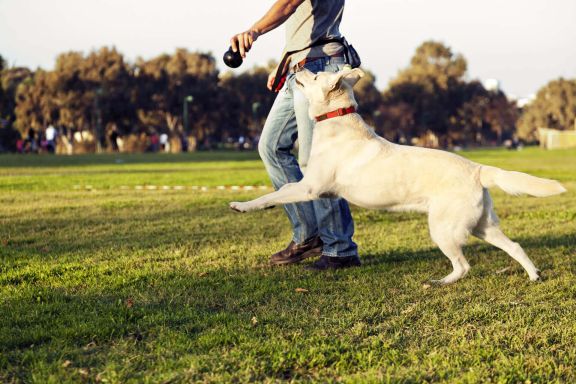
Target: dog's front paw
536	276
239	207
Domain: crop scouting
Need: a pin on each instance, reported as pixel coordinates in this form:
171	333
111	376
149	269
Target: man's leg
275	146
334	221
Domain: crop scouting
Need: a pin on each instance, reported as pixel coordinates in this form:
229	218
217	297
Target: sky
522	43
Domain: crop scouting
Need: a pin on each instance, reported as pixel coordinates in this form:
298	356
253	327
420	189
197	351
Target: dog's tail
517	183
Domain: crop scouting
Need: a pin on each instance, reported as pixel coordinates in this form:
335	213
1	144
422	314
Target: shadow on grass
167	315
132	227
141	230
473	250
177	313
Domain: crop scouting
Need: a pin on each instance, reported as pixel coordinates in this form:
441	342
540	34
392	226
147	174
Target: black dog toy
232	59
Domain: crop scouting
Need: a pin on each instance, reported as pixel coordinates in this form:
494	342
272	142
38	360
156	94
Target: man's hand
243	41
271	78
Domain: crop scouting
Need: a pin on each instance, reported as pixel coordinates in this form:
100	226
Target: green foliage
85	93
10	79
554	107
433	66
35	106
100	92
368	96
431	95
162	84
247	100
120	285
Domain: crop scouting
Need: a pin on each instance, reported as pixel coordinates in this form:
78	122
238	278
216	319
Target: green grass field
100	282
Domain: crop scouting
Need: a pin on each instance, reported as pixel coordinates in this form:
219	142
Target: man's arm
280	11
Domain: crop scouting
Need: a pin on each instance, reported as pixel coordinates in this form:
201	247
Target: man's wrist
256	30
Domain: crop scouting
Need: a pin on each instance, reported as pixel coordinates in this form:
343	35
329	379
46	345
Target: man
51	138
322	227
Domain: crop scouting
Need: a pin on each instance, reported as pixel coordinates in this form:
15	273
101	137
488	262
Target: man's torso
314	20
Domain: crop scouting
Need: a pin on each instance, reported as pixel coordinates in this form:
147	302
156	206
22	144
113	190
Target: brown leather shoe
295	253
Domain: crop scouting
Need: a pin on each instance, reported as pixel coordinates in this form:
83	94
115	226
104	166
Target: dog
349	160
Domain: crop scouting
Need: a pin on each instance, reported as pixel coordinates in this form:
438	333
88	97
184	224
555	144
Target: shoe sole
311	253
331	268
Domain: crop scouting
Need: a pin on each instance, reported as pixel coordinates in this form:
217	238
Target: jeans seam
343	254
279	166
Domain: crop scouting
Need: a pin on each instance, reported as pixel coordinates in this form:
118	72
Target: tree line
93	98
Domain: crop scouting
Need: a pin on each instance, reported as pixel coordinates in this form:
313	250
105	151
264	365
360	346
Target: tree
554	107
429	85
483	116
431	95
74	91
164	82
90	93
35	106
247	101
433	65
10	78
109	82
368	96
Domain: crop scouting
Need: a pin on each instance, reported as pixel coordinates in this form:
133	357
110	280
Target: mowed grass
100	283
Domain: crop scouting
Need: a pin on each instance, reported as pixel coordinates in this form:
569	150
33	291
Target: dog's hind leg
489	230
450	236
289	193
453	251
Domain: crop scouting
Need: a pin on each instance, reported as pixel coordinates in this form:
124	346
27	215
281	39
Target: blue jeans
287	121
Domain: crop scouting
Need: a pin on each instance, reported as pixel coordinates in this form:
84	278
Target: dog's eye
315	77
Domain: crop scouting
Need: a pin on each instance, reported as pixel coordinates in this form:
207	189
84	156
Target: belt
299	65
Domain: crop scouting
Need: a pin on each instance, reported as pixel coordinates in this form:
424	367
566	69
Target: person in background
50	135
164	146
114	139
20	145
31	146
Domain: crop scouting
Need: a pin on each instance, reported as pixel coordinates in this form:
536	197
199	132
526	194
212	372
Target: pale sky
522	43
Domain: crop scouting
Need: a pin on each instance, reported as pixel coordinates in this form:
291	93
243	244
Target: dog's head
329	87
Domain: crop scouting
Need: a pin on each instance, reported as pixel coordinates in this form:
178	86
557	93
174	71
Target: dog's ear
351	76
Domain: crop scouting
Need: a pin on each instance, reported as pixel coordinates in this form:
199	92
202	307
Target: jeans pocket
315	66
322	65
289	84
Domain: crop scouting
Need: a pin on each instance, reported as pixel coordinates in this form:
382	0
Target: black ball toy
232	59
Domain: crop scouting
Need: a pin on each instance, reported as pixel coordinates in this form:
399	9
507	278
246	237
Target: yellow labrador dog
349	160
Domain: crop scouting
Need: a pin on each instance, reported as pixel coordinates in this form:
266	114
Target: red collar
336	113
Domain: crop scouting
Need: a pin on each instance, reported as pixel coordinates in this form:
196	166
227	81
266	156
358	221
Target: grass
112	284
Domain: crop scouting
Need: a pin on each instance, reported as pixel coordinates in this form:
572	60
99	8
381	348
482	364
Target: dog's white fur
349	160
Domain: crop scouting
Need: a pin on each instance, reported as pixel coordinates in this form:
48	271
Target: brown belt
299	65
